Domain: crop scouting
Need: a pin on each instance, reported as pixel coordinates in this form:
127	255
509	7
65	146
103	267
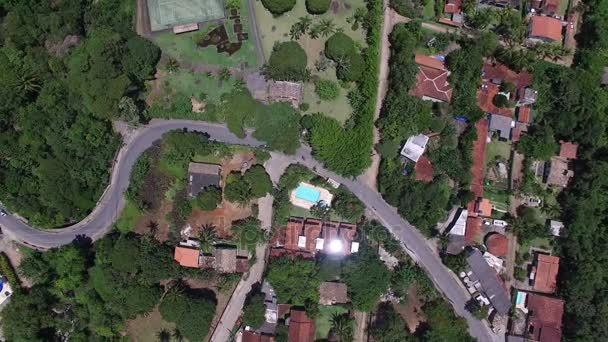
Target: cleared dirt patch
144	328
220	218
411	309
155	220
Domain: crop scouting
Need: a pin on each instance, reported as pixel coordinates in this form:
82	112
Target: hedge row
9	272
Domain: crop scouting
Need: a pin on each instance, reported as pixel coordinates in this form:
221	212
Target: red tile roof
187	257
429	62
545	317
473	229
568	150
515	134
485	100
453	6
312	230
497	244
523	114
547	267
551	6
546	27
499	71
301	328
484	207
424	170
479	155
432	79
447	21
250	336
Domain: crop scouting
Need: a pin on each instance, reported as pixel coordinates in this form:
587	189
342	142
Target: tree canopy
367	278
295	281
287	62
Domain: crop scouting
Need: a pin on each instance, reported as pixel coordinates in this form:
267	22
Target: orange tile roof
473	229
568	150
515	134
485	100
433	83
447	21
187	257
551	6
429	62
484	207
497	244
547	267
452	6
499	71
301	328
546	27
523	114
424	170
251	336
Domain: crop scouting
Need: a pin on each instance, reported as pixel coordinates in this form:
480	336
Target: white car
2	213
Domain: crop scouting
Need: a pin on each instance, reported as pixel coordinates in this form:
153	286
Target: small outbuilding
202	175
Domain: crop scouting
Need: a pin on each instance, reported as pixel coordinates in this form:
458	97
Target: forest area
67	68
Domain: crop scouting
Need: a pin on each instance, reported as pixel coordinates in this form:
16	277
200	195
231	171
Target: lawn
192	84
301	212
500	149
323	320
277	29
146	327
499	198
429	10
128	217
183	48
542	243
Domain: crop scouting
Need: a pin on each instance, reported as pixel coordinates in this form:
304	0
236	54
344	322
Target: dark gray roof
202	175
502	124
490	282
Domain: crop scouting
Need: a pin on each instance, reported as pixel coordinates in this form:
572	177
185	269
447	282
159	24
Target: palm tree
304	23
224	74
326	27
315	32
153	227
177	335
29	82
207	237
163	336
342	326
300	27
172	65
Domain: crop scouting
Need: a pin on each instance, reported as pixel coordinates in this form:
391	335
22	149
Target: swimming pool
307	194
520	298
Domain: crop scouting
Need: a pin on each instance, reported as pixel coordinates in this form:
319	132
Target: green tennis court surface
165	14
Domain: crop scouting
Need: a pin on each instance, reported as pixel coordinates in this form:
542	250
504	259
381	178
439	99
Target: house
547	7
483	207
502	125
431	80
453	13
473	229
414	147
555	227
331	293
491	284
523	114
494	75
558	172
544	29
187	256
252	336
457	232
202	175
301	328
568	150
544	273
423	171
283	91
497	244
306	237
544	316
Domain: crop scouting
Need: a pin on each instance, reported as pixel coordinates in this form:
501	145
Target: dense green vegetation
278	7
254	310
85	292
242	188
191	311
367	278
346	150
317	6
55	131
287	62
248	233
209	198
295	282
327	90
342	50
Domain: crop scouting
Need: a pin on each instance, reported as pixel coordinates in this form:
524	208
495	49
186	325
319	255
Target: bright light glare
335	246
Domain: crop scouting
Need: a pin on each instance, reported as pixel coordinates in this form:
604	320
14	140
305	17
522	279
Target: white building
414	147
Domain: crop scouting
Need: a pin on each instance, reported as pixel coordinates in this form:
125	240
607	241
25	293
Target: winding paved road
100	221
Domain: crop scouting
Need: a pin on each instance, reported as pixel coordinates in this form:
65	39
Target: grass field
128	217
542	243
194	84
497	148
183	48
323	320
274	30
499	198
146	327
429	10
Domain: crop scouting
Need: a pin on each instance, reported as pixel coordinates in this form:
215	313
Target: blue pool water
519	299
308	194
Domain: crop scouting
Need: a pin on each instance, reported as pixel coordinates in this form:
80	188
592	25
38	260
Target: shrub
351	69
254	310
304	106
287	62
500	101
278	7
209	198
317	6
339	46
8	271
327	90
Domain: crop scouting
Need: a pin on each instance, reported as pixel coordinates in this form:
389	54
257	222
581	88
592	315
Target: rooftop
285	91
490	282
497	244
186	256
502	125
559	172
431	80
331	293
424	170
523	114
473	229
301	328
545	317
547	28
310	236
547	267
452	6
568	150
202	175
414	147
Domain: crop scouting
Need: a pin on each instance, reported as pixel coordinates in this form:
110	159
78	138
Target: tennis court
165	14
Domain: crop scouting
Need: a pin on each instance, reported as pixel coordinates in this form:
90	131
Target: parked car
2	213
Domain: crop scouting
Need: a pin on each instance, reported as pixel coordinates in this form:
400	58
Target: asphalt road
100	221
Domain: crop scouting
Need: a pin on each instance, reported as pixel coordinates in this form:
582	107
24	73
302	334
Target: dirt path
142	21
361	326
391	18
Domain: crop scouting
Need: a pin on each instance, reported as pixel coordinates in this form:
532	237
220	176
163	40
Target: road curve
100	221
